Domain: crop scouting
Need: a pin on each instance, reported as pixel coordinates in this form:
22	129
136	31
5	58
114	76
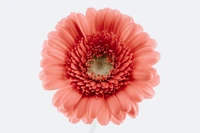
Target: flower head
101	64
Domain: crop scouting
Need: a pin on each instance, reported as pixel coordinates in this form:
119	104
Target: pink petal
133	93
155	81
147	68
46	62
100	18
126	20
104	115
71	98
141	75
145	89
80	108
117	19
130	31
90	15
83	24
56	71
153	71
66	36
43	54
137	41
45	44
94	105
143	50
87	120
53	84
116	121
41	75
150	69
57	43
70	24
134	110
124	101
151	43
67	112
56	55
147	59
73	120
52	34
113	105
121	116
108	20
59	95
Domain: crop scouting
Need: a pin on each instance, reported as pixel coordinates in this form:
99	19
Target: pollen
100	68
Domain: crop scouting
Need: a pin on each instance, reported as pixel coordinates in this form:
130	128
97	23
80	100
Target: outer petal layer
94	106
104	115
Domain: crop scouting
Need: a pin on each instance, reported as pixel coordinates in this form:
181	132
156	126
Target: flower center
99	65
100	68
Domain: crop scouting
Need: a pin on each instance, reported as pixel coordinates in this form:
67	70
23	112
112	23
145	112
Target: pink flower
101	64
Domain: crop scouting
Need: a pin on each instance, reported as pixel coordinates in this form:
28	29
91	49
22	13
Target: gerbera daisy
101	64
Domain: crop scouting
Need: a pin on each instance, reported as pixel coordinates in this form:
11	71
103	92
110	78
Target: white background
26	108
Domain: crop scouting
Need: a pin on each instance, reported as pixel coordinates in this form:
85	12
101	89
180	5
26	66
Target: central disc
100	68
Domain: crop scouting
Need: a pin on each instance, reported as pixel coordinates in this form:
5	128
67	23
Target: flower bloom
101	64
